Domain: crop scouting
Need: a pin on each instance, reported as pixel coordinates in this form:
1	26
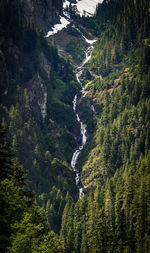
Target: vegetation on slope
37	89
24	227
115	215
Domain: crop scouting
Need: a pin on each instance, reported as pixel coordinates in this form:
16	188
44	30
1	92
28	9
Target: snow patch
87	7
66	4
58	27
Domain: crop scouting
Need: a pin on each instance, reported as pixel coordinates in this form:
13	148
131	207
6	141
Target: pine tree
102	237
6	155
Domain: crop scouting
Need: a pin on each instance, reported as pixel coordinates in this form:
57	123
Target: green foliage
115	164
23	226
120	34
72	31
32	235
12	207
50	244
115	214
5	155
77	50
33	62
13	198
102	238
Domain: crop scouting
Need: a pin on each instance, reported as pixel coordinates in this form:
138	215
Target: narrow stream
83	130
64	21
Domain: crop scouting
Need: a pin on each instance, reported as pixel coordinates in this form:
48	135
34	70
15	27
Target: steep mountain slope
114	217
37	89
121	65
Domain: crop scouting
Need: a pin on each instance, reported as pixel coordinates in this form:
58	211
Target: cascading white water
83	126
84	137
89	6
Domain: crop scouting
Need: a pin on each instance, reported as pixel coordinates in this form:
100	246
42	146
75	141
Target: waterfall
83	130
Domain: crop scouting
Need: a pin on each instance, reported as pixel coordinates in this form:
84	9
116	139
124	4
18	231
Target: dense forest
40	210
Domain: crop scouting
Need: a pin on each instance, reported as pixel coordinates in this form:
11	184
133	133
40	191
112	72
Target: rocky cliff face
36	93
42	13
19	21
